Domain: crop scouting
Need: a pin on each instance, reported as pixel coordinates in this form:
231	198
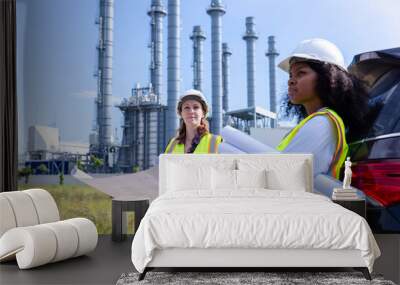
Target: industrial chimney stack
226	53
250	37
104	74
157	12
216	10
198	37
173	84
271	54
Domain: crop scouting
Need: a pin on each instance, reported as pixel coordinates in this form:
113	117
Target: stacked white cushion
213	174
188	178
282	174
223	179
32	233
256	179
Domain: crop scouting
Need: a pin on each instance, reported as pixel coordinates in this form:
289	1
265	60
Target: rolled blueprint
243	141
228	148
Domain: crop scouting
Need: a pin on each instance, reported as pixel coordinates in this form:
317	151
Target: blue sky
57	55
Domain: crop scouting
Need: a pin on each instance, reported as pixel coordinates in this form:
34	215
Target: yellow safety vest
208	144
341	147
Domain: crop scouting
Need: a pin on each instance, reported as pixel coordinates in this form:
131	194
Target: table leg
117	220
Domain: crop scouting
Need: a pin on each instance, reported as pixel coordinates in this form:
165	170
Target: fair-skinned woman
193	134
329	102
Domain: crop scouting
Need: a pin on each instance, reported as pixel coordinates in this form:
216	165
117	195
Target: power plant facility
148	124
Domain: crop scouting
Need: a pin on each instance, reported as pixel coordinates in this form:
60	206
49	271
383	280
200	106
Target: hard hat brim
285	64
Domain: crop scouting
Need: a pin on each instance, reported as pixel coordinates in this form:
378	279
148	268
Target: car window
385	105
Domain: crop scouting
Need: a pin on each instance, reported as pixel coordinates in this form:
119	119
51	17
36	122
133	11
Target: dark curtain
8	97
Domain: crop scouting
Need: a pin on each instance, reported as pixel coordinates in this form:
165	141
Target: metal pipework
173	84
226	53
157	13
216	10
250	37
105	49
272	54
198	37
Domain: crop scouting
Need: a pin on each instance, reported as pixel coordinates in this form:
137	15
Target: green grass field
82	201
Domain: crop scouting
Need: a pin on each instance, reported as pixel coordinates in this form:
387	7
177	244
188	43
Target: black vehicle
376	154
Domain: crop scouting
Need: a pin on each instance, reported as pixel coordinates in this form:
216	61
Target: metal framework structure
143	130
257	117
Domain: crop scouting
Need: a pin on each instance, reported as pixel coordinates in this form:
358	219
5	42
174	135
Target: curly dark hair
339	91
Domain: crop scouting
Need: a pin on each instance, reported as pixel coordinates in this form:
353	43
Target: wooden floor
102	266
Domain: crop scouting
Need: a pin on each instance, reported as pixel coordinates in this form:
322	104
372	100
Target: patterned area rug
270	278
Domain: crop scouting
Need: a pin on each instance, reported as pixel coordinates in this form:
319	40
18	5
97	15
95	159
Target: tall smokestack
198	37
216	10
271	54
173	86
250	37
226	53
157	13
105	57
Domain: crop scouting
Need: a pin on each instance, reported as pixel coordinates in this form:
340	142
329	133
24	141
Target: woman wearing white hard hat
193	135
328	100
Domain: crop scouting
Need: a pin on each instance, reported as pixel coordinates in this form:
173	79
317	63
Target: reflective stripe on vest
341	147
208	144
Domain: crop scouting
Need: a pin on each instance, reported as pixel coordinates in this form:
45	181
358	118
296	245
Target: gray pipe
198	37
173	84
271	54
250	37
226	53
105	72
216	10
157	13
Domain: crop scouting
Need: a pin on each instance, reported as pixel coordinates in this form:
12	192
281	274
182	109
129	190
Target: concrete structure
143	130
250	37
104	74
197	37
157	13
216	10
173	88
272	54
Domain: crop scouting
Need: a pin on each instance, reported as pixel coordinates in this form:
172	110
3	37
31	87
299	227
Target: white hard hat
194	94
315	50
